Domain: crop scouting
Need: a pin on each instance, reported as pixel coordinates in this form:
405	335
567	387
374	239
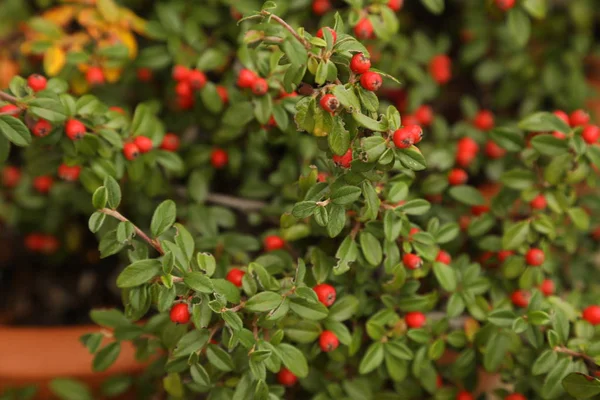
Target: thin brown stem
214	330
236	308
7	97
235	202
152	242
572	353
11	112
295	34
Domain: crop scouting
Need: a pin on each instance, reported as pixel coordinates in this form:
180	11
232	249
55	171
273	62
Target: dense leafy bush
294	237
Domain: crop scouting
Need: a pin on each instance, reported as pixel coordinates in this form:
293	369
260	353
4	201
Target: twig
236	308
214	330
281	22
7	97
573	353
11	112
235	202
152	242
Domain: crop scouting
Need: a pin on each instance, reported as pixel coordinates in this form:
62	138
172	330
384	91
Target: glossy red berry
395	5
69	173
535	257
403	138
493	151
411	261
246	78
144	74
591	134
235	276
359	64
11	176
423	114
479	210
562	115
505	5
10	109
440	68
329	103
183	89
464	395
143	143
520	298
286	378
371	81
180	313
504	254
539	202
41	128
218	158
131	151
345	160
457	177
43	183
515	396
321	35
415	319
328	341
409	119
74	129
579	118
443	257
260	87
181	73
325	293
484	120
547	287
223	94
273	242
94	76
467	145
185	102
321	7
34	242
363	29
416	132
592	315
197	79
170	142
413	231
37	82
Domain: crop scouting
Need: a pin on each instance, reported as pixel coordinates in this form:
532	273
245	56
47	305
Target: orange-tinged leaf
137	24
129	41
54	61
60	15
112	74
8	69
108	9
79	85
88	17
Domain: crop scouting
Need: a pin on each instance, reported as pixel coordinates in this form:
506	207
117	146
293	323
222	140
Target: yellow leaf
79	85
61	15
54	61
129	41
112	74
137	24
108	9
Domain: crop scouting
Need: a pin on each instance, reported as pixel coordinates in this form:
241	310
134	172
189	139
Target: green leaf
163	218
412	158
345	195
293	359
544	363
337	220
518	178
199	282
110	318
191	342
264	301
519	26
544	122
70	389
502	318
445	276
415	207
304	209
308	310
114	191
535	8
139	273
339	138
219	358
50	109
370	123
549	145
467	195
343	308
580	218
15	130
372	359
495	351
581	386
346	97
435	6
199	375
508	138
399	350
106	356
371	248
515	235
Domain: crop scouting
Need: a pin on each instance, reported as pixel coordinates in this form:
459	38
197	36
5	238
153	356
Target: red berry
504	254
416	132
321	35
520	298
131	151
562	115
535	257
170	142
143	143
579	118
41	128
403	138
94	76
74	129
223	94
592	315
409	119
197	79
185	102
479	210
10	109
43	184
345	160
144	74
467	145
539	202
457	177
591	134
359	64
559	135
464	395
440	68
413	231
415	319
439	382
484	120
363	29
273	242
116	109
218	158
329	103
443	257
235	276
37	82
492	150
181	73
34	241
328	341
322	177
547	287
180	313
395	5
285	95
411	261
371	81
69	173
286	378
246	78
183	89
515	396
321	7
424	114
11	176
260	87
325	293
505	5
